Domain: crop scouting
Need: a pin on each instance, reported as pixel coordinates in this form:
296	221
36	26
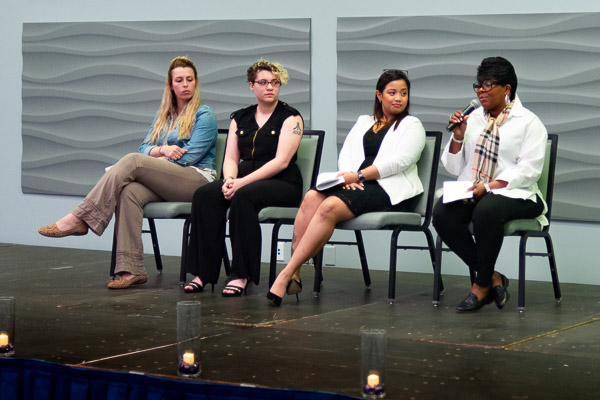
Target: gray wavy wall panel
91	90
557	59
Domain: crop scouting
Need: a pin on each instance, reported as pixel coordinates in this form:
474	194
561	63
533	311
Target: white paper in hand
457	190
326	180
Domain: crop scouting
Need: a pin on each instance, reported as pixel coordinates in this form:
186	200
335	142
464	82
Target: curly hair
266	65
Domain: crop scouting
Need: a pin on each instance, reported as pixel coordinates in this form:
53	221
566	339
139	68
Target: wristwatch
361	177
487	187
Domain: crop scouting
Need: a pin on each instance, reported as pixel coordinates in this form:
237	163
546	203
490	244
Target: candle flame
373	380
188	358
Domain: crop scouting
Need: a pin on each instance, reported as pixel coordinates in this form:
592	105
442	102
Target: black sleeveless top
258	145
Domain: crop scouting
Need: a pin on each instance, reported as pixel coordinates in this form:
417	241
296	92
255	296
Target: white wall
576	245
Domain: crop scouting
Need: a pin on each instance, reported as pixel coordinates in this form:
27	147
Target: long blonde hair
167	118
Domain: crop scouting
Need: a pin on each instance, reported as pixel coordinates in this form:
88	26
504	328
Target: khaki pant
124	190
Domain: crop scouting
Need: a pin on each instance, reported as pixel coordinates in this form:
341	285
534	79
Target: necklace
379	125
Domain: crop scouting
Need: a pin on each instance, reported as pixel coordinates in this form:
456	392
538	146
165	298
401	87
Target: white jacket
395	160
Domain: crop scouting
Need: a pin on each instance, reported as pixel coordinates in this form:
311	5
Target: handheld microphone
468	110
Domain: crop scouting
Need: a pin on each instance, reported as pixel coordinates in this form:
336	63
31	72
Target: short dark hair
498	69
388	76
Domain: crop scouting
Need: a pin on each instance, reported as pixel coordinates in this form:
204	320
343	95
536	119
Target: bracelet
487	187
224	180
456	140
160	150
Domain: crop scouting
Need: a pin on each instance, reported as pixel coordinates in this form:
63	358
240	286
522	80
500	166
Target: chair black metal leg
185	242
393	255
318	260
113	256
553	270
363	258
437	272
432	254
226	262
155	246
522	248
273	260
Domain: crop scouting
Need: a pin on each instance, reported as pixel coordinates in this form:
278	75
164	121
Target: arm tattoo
297	130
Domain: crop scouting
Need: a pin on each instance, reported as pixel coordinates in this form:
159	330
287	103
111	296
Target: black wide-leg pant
488	215
207	234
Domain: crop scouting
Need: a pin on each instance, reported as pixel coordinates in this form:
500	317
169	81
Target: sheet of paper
325	180
457	190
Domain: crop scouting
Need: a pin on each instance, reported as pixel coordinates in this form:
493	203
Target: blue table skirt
41	380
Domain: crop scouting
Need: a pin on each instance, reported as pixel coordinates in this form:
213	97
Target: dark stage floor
66	314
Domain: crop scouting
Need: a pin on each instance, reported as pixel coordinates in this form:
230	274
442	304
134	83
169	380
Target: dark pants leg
488	216
244	228
207	232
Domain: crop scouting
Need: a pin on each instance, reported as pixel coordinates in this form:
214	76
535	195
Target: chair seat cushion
167	209
380	220
268	213
521	225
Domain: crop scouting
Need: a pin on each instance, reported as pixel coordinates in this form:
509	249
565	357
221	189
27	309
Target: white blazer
395	160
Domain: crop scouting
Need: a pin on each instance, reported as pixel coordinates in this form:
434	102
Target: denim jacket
200	146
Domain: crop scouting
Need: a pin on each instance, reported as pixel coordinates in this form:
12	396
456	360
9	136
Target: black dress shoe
500	293
471	303
276	300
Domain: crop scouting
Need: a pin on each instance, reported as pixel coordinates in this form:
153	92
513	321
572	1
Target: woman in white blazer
378	166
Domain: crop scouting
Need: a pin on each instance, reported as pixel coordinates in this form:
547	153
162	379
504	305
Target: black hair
385	78
498	69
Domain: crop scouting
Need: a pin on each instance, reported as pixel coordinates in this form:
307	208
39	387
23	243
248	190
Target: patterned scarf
486	149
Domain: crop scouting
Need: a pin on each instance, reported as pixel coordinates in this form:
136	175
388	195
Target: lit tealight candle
373	380
3	339
188	358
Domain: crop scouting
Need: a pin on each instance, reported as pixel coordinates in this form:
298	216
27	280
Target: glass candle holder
7	326
372	364
188	338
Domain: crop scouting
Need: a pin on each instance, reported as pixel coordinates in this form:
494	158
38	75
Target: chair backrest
546	181
309	157
427	169
220	151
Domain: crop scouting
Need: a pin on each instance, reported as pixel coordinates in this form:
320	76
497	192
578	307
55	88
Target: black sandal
236	291
195	287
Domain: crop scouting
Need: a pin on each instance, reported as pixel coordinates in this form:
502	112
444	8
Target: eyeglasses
263	83
395	71
485	86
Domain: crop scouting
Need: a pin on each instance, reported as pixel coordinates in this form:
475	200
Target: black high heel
194	287
274	298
